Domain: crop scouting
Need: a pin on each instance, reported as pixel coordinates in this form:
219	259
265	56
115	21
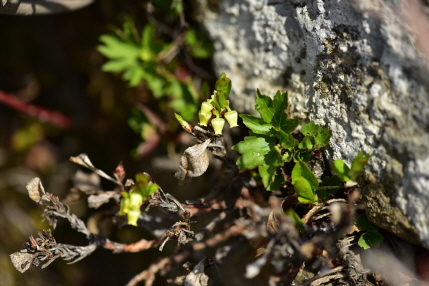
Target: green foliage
347	173
371	236
271	144
330	183
147	58
305	183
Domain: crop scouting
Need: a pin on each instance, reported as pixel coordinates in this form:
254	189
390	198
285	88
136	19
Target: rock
358	67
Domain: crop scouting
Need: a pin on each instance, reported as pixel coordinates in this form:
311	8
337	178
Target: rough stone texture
352	66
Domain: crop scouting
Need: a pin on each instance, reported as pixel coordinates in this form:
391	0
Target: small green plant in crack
370	236
272	144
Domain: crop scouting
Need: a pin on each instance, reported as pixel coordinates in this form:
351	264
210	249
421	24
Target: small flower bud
133	216
232	118
136	199
204	118
125	206
218	124
185	125
206	108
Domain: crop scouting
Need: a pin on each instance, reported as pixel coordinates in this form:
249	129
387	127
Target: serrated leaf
307	142
341	169
304	190
256	124
322	138
363	223
358	164
302	171
370	238
253	150
280	120
264	105
328	182
310	128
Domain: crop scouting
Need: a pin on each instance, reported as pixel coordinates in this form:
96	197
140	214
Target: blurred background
59	99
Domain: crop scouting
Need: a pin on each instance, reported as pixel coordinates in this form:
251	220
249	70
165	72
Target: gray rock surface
356	66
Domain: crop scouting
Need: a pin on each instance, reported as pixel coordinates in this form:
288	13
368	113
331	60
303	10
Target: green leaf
307	143
302	171
256	124
115	48
363	223
299	224
302	155
286	140
118	65
341	169
264	105
267	173
279	181
304	190
221	99
310	128
147	37
287	156
322	138
274	157
333	181
370	238
358	164
253	150
280	121
223	84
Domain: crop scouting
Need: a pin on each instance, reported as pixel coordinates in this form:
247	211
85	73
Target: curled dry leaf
95	201
193	163
197	277
35	190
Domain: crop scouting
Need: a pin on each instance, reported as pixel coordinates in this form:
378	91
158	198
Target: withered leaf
95	201
35	190
193	163
83	160
197	277
22	260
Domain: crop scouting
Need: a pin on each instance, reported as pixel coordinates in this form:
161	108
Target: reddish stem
40	113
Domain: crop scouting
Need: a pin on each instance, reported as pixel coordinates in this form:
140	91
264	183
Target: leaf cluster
272	144
347	173
146	57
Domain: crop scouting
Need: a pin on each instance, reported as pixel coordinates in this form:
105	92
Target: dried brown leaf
22	260
95	201
197	277
193	163
35	190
